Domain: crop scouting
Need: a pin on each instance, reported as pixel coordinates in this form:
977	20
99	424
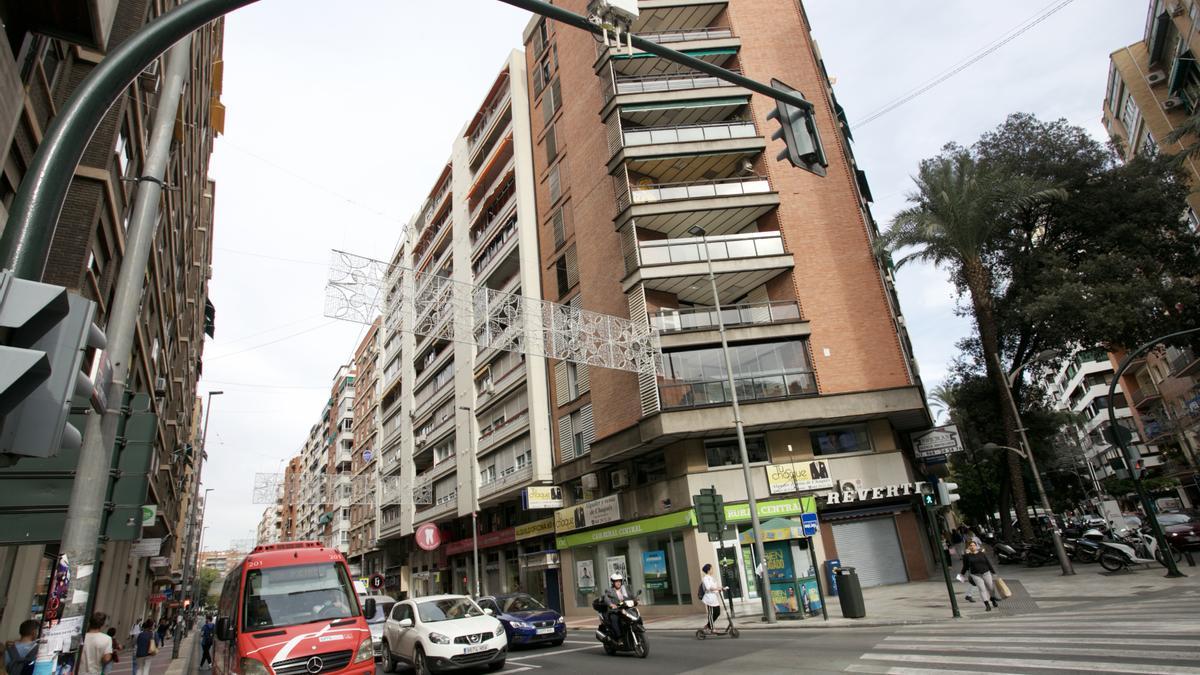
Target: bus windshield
296	594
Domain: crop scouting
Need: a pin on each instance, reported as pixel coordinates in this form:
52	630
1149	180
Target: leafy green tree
204	583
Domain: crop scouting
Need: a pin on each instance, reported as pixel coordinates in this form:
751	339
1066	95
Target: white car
442	632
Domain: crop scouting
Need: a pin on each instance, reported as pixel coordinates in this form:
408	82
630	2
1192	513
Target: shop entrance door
553	593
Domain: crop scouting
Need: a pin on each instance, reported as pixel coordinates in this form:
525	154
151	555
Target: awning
776	529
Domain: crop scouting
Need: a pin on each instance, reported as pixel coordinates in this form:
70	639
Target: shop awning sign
936	442
537	528
542	497
774	508
588	514
146	548
791	477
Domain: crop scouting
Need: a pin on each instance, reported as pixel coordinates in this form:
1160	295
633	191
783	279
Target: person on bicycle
712	595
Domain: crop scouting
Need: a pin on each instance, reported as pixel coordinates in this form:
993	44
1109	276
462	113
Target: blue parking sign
809	522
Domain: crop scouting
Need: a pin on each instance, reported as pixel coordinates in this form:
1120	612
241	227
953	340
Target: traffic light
798	129
946	494
45	333
1133	457
710	511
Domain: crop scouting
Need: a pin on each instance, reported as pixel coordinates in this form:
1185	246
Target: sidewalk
927	602
162	664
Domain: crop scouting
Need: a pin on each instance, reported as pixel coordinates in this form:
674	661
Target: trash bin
850	593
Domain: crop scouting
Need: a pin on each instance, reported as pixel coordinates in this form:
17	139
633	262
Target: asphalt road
1158	633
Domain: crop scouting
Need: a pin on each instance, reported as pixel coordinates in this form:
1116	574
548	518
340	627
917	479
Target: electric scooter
729	629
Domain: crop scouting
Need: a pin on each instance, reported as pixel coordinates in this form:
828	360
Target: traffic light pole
85	513
935	529
1163	545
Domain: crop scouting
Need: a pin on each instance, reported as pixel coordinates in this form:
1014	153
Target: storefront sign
159	561
488	540
936	442
542	497
537	528
588	514
853	495
145	548
740	513
585	576
654	568
428	537
149	513
670	521
784	479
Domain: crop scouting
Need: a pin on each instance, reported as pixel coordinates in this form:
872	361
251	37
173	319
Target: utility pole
474	494
81	533
756	528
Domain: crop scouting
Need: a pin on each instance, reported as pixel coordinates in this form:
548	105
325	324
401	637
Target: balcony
494	117
770	387
496	434
1184	364
635	90
509	479
713	44
501	244
697	326
442	506
711	146
1143	397
720	206
678	266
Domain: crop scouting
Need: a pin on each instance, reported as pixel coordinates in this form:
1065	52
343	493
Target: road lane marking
1053	664
1156	655
520	659
1181	641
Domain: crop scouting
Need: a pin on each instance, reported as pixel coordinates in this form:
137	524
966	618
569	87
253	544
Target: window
554	183
572	380
559	223
524	459
124	154
560	273
1130	115
840	440
724	451
551	101
551	145
487	475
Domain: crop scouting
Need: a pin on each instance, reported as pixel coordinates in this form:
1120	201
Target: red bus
291	609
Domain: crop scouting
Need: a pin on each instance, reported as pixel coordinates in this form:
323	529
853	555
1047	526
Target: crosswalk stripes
1141	637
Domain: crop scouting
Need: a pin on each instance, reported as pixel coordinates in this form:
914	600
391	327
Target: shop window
839	440
724	451
655	564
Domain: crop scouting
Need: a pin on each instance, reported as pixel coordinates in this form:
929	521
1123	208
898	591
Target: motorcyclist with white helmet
613	597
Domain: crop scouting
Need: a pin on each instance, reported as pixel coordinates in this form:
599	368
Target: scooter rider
613	597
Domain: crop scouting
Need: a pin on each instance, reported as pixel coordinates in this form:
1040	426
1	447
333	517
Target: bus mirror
224	630
369	608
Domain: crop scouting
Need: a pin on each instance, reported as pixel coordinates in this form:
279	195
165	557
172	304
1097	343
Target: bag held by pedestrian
1002	588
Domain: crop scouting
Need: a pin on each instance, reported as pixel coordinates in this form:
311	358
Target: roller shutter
872	547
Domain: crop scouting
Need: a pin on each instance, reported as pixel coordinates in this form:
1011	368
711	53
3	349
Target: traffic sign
367	455
429	537
810	523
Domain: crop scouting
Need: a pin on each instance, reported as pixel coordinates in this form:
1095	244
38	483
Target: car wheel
420	663
556	643
388	661
496	665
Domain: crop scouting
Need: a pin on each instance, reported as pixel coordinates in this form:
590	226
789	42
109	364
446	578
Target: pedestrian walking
116	653
161	635
978	569
712	595
207	631
19	655
146	648
135	629
97	646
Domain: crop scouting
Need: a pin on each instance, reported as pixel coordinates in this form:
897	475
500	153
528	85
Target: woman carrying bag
978	569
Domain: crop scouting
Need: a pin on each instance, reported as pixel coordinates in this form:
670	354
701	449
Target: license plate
474	649
545	631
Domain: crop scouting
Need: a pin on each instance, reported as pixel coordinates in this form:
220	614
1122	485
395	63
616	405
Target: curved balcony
720	205
714	44
767	387
664	151
679	266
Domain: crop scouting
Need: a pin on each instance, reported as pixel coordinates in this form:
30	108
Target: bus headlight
366	650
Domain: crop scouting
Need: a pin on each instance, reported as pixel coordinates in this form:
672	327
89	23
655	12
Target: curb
807	624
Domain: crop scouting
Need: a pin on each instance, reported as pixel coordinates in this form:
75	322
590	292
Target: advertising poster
616	565
751	577
654	567
585	576
779	561
798	477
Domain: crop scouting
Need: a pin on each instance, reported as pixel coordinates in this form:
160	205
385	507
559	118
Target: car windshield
1174	518
521	603
296	594
447	609
382	609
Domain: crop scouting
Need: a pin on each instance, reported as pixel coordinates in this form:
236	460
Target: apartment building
290	499
365	555
1153	87
270	525
467	427
644	170
38	74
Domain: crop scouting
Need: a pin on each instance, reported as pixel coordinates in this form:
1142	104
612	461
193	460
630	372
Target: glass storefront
655	564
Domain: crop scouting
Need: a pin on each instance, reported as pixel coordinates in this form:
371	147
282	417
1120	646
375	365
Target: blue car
526	621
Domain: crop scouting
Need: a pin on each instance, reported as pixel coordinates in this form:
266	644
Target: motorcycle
1006	554
633	631
1085	549
1146	546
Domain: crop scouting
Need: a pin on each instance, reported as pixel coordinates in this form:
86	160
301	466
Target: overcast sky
339	120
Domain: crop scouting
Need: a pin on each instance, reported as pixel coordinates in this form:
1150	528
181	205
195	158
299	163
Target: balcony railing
668	37
675	251
690	133
508	478
1144	395
498	106
787	384
705	318
720	187
489	434
651	84
1184	363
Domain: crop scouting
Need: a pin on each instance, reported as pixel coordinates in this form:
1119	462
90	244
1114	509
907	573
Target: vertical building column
21	585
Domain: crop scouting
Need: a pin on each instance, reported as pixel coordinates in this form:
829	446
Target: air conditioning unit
1173	103
160	386
619	479
589	482
1156	77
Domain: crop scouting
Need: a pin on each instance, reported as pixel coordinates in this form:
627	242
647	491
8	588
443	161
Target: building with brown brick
46	50
364	464
632	152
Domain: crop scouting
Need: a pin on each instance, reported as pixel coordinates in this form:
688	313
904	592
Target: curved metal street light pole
1147	507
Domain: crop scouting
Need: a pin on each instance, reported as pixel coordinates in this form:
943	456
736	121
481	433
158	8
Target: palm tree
957	213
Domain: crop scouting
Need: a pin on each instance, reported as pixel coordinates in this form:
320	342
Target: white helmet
615	578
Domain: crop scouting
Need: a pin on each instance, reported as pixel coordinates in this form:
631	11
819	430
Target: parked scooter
1006	554
1085	549
1146	546
633	631
1116	556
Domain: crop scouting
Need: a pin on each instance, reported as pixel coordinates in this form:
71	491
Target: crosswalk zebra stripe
1181	641
1116	633
1048	664
900	670
1058	650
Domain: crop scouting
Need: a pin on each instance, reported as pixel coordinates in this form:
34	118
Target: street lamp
188	569
1063	561
474	494
768	604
